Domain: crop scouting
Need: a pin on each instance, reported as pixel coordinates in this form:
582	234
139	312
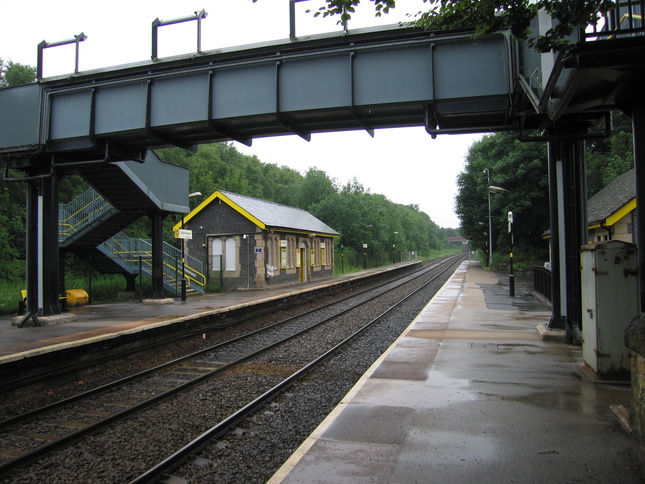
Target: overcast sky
405	165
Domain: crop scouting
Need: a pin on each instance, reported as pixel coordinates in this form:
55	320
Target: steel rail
178	458
47	375
91	429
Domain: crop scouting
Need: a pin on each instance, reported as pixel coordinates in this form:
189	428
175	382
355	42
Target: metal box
609	303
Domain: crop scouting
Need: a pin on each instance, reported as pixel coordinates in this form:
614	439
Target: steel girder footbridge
367	79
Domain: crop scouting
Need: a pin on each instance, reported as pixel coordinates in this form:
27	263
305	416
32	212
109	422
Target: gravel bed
257	449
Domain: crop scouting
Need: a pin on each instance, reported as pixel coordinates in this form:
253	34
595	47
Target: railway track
270	359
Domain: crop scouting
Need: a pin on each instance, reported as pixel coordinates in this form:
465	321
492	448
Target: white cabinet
609	303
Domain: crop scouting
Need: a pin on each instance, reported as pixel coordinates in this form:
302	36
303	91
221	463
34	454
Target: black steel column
157	254
573	203
638	128
50	253
556	300
33	191
42	246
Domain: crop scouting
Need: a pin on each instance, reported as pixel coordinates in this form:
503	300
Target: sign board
364	246
258	250
184	234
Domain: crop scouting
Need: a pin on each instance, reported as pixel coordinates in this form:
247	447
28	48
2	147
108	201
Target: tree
610	157
488	16
15	74
520	168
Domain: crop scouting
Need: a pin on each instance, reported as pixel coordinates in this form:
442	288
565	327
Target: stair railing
80	212
90	206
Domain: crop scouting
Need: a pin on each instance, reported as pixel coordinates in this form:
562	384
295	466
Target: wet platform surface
472	393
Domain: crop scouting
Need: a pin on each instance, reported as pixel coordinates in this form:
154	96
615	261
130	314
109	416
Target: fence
542	281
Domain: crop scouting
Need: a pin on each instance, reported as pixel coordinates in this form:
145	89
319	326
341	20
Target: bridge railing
624	20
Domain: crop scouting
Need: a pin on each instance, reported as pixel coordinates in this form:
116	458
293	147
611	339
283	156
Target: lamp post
490	226
183	257
491	189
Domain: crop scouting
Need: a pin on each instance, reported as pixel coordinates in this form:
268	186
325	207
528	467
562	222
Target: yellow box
77	297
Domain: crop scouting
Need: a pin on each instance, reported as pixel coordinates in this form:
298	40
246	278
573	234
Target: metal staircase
86	227
91	225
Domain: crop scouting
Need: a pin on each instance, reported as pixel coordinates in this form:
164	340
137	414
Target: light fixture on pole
184	234
491	189
490	226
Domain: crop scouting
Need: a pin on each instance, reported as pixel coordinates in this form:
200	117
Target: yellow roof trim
621	212
228	202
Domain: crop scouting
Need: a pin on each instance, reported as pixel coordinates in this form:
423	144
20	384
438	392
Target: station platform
99	322
472	392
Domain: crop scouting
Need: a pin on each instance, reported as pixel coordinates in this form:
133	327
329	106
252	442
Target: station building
611	213
247	243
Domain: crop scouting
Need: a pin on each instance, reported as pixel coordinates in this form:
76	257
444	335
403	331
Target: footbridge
367	79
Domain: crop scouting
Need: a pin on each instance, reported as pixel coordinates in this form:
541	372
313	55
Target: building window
216	254
231	253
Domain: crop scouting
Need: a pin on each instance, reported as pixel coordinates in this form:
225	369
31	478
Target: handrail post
156	23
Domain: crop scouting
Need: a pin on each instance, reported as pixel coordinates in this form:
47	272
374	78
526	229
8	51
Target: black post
89	281
511	278
140	278
183	264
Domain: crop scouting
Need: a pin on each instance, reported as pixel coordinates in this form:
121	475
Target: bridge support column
42	246
635	333
567	157
557	322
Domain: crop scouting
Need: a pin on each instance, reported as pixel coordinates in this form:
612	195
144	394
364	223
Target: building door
302	258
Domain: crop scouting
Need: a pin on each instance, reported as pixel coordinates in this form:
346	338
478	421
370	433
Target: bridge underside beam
463	85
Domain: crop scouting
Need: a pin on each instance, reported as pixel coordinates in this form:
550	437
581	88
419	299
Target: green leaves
485	17
521	169
15	74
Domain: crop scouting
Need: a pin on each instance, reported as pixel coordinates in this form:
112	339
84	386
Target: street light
183	257
491	189
490	225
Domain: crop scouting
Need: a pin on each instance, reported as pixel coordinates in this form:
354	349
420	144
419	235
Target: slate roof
611	198
270	215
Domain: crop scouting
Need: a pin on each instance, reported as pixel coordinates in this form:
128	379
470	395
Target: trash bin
77	297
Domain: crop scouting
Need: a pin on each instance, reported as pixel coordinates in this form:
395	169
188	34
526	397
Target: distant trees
489	16
521	168
12	195
15	74
358	215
